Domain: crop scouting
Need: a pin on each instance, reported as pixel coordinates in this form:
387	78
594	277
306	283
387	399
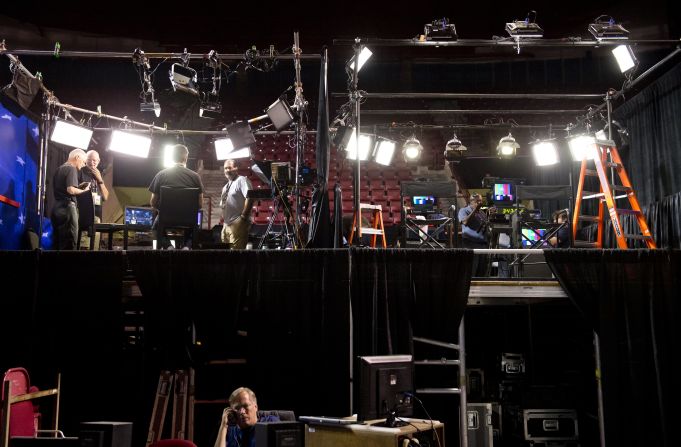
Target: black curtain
397	294
631	298
653	159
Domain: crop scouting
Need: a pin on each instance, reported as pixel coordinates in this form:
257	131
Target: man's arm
248	206
100	182
221	440
154	201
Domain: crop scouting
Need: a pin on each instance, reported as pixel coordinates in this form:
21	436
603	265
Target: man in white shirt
236	208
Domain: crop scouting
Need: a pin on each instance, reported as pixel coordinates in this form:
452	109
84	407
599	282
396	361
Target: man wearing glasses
237	428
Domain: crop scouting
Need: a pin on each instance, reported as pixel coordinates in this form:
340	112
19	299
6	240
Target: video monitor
503	193
423	203
386	384
139	216
530	236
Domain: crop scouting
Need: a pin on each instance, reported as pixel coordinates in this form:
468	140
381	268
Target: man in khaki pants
236	208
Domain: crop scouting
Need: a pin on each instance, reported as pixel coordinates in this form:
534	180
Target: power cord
432	424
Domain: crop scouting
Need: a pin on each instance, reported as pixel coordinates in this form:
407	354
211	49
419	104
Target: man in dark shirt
562	236
177	176
65	211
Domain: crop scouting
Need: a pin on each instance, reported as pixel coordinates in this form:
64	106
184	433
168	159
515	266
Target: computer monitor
530	236
139	216
386	384
280	434
503	193
423	203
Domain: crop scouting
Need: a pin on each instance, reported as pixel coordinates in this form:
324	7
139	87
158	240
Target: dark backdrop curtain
631	298
653	159
397	294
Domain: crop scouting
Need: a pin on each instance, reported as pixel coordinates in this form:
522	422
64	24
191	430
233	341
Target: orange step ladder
376	228
606	149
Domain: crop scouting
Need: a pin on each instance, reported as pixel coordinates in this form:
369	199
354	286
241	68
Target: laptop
139	216
323	420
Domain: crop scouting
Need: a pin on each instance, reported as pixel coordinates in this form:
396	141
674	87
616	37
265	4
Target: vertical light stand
355	98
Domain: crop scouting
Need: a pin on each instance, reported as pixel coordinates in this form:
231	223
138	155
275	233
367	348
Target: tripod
288	236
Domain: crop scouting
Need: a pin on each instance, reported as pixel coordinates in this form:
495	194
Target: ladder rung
628	211
591	172
443	362
591	194
585	244
368	206
372	231
640	237
589	218
438	391
610	164
621	188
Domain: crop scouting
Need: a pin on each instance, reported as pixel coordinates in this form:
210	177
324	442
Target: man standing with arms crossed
236	208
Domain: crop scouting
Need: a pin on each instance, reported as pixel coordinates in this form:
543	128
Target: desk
429	239
370	436
111	228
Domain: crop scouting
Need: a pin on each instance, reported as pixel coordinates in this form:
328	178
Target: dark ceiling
225	24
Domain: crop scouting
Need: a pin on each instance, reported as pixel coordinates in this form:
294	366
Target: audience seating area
379	185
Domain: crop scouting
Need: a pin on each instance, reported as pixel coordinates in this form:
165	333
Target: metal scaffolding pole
472	112
412	95
570	42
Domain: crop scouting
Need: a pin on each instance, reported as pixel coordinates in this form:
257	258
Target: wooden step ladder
607	156
376	228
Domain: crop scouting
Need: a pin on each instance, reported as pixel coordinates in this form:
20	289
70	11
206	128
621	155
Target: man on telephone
474	233
237	427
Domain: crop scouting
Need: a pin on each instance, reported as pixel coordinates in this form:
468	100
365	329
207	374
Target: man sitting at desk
237	428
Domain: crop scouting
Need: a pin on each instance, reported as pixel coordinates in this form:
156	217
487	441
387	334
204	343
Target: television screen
385	387
503	192
139	216
423	203
530	236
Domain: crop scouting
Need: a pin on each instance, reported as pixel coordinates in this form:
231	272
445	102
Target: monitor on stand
386	384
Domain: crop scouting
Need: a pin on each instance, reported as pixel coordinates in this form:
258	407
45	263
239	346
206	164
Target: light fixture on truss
130	143
280	114
524	29
440	29
148	103
626	60
236	144
507	147
70	134
412	149
454	149
183	79
605	28
545	153
582	147
210	104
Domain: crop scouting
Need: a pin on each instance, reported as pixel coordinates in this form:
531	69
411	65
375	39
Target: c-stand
287	237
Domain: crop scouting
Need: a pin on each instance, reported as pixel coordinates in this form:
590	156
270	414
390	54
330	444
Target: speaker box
105	434
535	267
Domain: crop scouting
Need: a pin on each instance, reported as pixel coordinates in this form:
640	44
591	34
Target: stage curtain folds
632	300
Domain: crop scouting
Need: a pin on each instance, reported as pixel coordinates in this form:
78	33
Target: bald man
91	174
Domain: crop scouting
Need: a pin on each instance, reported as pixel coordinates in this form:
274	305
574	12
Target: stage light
130	143
384	151
342	137
151	106
507	147
411	150
625	57
366	143
583	147
454	150
210	109
523	29
280	114
364	56
605	28
440	29
71	134
183	79
545	153
224	149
